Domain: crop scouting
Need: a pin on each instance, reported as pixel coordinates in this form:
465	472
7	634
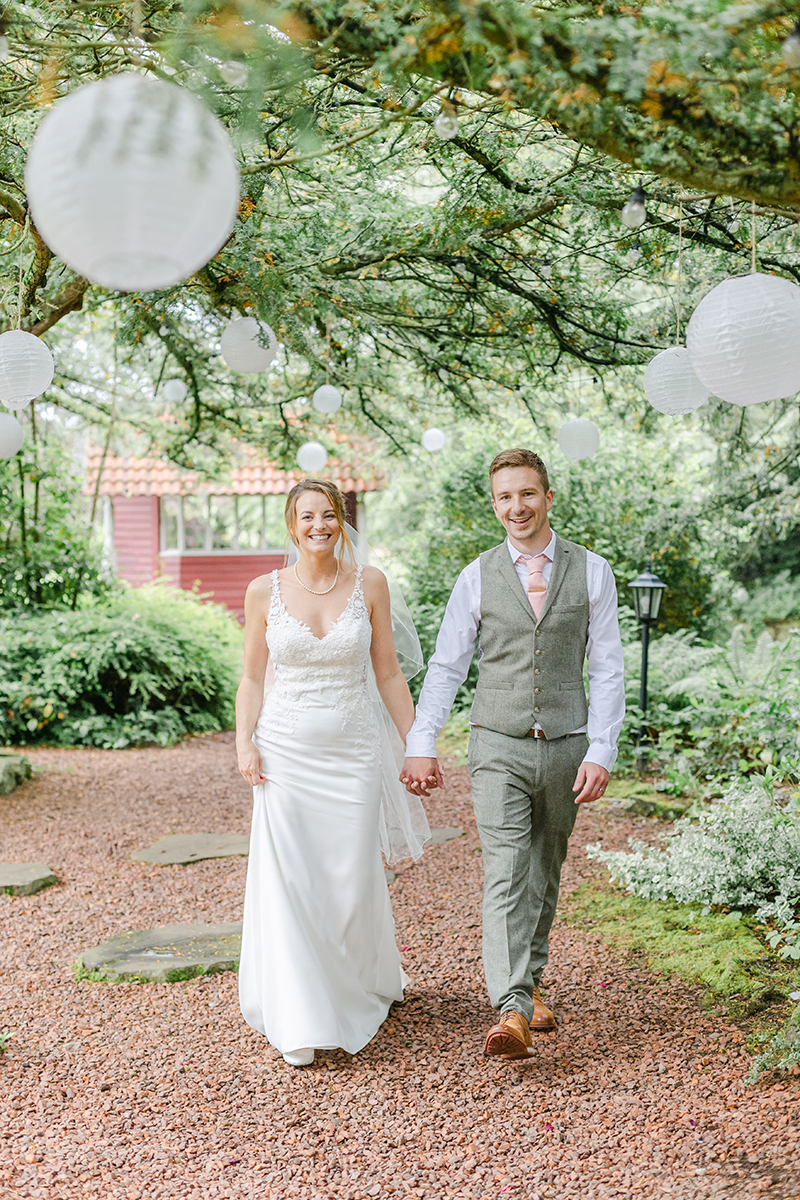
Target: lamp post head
647	592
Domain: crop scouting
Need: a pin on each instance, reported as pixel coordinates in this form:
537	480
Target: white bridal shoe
299	1058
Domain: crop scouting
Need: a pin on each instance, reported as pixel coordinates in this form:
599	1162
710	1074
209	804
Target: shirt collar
549	550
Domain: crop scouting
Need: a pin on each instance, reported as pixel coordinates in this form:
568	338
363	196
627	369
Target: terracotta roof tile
352	471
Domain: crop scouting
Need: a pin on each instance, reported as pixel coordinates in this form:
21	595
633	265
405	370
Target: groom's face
521	504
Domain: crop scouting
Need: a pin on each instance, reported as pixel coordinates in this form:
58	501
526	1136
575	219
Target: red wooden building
163	521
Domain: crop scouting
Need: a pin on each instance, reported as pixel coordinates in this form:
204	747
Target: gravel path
155	1091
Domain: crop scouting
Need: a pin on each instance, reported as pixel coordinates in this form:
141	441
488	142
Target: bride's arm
388	676
250	693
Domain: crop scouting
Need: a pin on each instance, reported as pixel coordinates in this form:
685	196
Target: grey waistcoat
531	672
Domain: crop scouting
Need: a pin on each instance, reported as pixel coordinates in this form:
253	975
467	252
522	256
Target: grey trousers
525	809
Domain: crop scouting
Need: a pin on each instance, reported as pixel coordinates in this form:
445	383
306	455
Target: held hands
421	775
250	764
590	782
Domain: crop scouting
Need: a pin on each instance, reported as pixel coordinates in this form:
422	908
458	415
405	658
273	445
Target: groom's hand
590	782
421	775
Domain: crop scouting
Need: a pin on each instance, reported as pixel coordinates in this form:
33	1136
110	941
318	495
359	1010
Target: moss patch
719	951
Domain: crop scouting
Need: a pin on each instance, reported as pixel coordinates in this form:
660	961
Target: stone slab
390	875
166	954
193	847
446	834
14	768
23	879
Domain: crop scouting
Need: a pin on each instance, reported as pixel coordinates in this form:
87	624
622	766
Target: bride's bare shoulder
374	581
260	586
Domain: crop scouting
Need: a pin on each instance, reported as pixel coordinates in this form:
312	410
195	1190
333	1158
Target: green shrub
741	853
147	665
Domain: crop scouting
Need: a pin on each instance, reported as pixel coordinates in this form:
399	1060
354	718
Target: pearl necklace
308	589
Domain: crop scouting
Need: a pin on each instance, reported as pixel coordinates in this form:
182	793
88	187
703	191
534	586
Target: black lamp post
647	592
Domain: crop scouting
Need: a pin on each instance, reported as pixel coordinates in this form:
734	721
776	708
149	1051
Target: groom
539	606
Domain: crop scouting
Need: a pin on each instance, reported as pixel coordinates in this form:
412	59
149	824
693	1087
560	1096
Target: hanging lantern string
752	237
327	350
680	262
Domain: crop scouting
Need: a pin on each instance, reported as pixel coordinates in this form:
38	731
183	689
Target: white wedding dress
319	965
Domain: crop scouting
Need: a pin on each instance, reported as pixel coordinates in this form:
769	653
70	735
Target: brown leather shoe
510	1038
543	1017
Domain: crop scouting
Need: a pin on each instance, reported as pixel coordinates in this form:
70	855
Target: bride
319	965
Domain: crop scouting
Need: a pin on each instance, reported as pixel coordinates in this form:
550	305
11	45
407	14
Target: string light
790	50
445	125
634	213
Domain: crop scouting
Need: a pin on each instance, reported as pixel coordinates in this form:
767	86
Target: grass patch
720	952
82	974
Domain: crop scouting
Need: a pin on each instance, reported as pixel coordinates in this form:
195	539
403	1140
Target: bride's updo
336	501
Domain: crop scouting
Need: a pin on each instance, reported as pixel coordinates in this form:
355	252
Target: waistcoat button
536	710
538	631
537	689
537	671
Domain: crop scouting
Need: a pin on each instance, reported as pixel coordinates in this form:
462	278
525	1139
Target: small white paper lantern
241	348
174	390
132	182
26	368
12	435
445	125
327	398
433	440
744	339
671	385
312	456
579	438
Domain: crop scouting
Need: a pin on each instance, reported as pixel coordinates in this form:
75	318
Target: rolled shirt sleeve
604	665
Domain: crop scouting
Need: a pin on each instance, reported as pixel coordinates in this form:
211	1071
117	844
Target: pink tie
537	587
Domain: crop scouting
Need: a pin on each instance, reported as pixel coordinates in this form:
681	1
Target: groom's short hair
519	458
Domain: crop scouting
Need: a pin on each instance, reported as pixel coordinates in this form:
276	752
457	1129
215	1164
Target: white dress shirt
458	638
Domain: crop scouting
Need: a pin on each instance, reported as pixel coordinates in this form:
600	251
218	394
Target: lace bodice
304	664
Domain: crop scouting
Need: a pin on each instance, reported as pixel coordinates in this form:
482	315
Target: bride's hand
250	765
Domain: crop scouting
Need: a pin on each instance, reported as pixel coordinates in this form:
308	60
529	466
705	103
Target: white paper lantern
579	438
445	125
744	339
12	435
671	385
327	398
433	440
241	348
174	390
132	182
312	456
26	368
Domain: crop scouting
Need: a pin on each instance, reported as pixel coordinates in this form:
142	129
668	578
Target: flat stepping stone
193	847
447	834
165	955
23	879
14	768
390	875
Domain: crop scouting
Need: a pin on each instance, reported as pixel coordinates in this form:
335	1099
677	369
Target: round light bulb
312	456
5	49
445	125
12	435
633	214
433	440
174	390
233	72
327	398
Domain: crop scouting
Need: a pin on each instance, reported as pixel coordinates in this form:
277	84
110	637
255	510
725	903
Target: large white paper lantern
579	438
433	440
312	456
327	398
241	348
12	435
174	391
744	339
671	385
132	182
26	368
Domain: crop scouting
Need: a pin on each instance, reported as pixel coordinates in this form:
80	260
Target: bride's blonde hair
336	501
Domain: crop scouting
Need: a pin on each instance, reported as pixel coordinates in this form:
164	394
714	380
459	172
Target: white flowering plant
743	853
